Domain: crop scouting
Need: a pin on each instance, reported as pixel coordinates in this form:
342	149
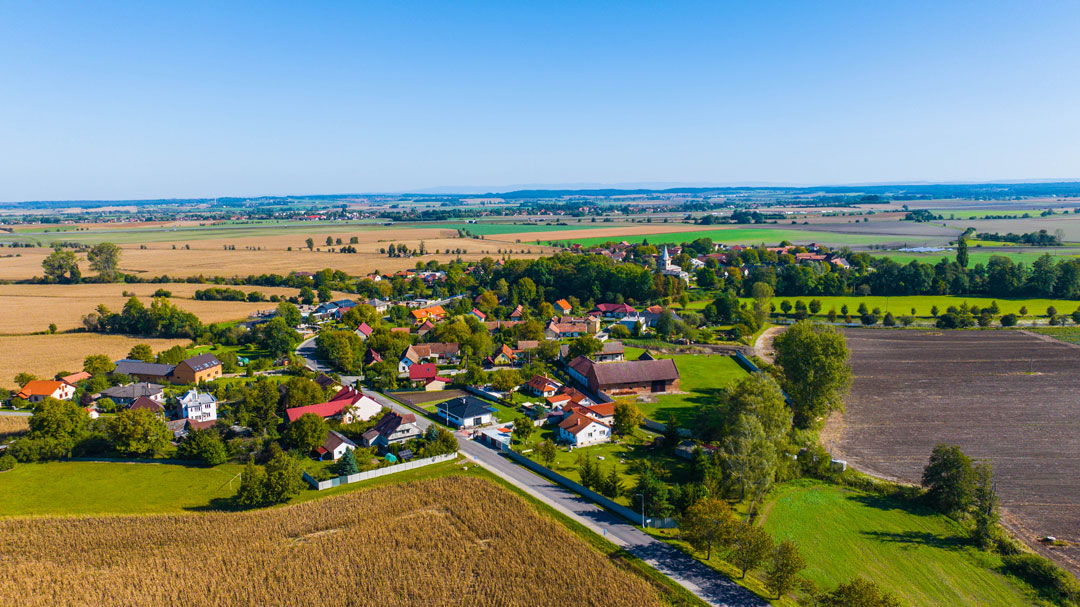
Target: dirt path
763	346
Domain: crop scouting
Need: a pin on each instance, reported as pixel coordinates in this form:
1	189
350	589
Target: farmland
46	355
702	376
672	234
922	557
1006	396
464	532
923	304
13	425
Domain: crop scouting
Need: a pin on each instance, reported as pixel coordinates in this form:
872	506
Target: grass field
1069	335
47	355
700	376
748	236
435	542
920	556
1017	254
922	304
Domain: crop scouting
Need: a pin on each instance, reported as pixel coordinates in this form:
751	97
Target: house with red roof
543	386
563	307
334	447
40	389
348	405
581	430
615	310
364	331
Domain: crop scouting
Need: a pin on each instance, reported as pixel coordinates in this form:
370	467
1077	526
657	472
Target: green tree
750	459
284	478
783	568
307	296
985	503
141	352
59	420
347	464
98	364
204	445
252	490
310	242
276	337
289	313
627	418
547	452
308	433
61	266
665	324
523	429
300	392
859	592
104	259
505	380
612	486
949	480
586	345
325	294
21	379
751	545
962	252
815	372
708	523
139	432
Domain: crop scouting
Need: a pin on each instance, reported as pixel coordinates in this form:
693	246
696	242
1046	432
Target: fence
363	476
623	511
656	426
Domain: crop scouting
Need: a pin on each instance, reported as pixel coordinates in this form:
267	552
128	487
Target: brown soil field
47	355
270	254
13	425
1069	224
28	308
450	541
901	230
1009	397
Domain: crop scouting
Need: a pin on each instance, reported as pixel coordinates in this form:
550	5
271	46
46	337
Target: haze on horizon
133	101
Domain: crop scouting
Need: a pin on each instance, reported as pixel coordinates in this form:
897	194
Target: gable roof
364	329
335	439
542	383
134	390
423	371
389	423
478	314
127	366
344	398
144	402
201	362
564	305
465	406
576	422
634	371
40	387
75	377
615	308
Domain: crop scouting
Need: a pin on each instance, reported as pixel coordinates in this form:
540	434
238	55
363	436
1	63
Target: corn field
13	425
450	541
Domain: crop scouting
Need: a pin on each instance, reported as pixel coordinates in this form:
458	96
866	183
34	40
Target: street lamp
642	496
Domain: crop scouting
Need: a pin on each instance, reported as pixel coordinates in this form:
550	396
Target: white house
334	447
580	430
466	412
199	406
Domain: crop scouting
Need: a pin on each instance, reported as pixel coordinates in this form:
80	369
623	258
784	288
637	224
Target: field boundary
370	474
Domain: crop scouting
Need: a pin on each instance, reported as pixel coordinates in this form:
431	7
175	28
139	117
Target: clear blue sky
135	100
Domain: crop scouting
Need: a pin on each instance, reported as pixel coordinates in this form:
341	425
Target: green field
902	304
492	228
1017	254
700	376
922	557
746	236
1070	335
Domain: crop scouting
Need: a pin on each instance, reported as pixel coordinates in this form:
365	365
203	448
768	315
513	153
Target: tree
627	418
949	480
962	252
708	523
310	242
252	490
750	458
523	429
276	337
59	420
325	294
815	374
104	259
308	433
612	485
589	473
24	378
586	345
665	324
141	352
547	452
859	592
985	509
289	313
307	296
204	445
139	432
300	392
505	380
785	565
61	266
347	464
751	545
98	364
283	477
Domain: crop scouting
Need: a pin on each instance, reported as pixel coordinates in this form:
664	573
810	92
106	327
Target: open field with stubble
47	355
1007	396
457	541
13	425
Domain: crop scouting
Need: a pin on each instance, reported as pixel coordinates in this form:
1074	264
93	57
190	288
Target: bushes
1043	574
220	294
7	462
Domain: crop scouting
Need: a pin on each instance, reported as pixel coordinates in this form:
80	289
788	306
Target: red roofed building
615	310
348	405
40	389
580	430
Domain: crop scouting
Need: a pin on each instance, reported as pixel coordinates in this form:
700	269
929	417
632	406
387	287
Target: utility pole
642	496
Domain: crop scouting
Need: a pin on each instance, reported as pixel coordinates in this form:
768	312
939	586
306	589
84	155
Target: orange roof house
40	389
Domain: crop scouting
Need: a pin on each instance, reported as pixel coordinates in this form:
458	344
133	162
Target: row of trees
62	266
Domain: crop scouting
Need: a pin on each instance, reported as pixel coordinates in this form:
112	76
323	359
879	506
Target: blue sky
126	100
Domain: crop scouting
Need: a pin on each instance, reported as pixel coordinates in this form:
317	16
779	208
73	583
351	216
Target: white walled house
199	406
580	431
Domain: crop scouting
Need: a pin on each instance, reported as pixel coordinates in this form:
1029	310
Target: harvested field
677	233
47	355
30	308
13	425
454	541
416	398
1007	396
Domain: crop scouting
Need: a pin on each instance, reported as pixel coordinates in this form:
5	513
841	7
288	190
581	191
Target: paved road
711	587
306	351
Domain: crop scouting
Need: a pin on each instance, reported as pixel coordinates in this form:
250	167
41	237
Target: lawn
901	305
976	256
747	236
922	557
701	376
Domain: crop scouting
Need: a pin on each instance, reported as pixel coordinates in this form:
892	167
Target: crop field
701	378
30	308
1025	255
920	556
13	425
47	355
1006	396
1069	335
1069	224
673	234
923	304
458	541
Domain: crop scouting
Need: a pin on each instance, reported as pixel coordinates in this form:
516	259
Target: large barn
630	377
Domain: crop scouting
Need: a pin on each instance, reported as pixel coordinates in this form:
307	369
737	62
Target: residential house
435	313
144	403
424	328
125	396
143	371
181	427
543	386
478	314
40	389
614	310
557	330
197	369
466	412
75	378
442	353
563	307
602	412
629	377
326	382
334	447
363	331
380	305
612	351
391	429
524	345
504	356
426	376
581	430
494	326
518	313
371	357
199	406
348	405
568	396
652	314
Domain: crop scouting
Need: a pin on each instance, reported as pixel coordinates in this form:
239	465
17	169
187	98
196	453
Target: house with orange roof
40	389
581	430
435	313
563	307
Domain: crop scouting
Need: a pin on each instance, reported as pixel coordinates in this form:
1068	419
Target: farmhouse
348	405
392	428
39	389
126	395
614	310
334	447
581	430
466	412
630	377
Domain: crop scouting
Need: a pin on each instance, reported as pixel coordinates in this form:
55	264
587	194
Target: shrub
1008	320
1042	573
7	462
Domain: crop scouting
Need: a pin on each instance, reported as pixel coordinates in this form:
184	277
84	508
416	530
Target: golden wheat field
28	308
47	355
11	425
450	541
